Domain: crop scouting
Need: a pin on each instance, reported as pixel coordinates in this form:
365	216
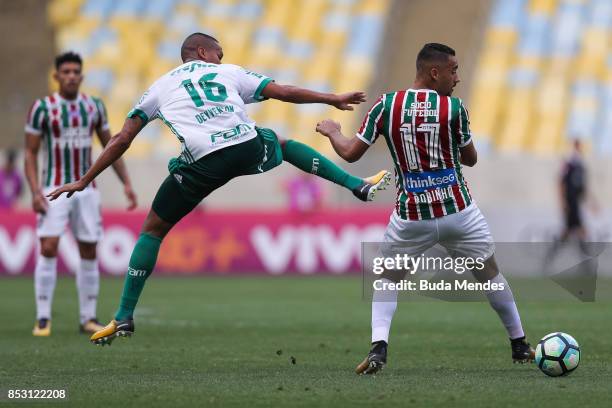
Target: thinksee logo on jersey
427	180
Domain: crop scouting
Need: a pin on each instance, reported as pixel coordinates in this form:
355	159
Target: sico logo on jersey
225	135
427	180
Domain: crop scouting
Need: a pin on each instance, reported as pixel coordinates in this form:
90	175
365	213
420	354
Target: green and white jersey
66	128
203	104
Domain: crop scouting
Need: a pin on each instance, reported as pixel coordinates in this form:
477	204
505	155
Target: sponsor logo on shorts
178	177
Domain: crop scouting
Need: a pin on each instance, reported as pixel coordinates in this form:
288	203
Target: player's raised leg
311	161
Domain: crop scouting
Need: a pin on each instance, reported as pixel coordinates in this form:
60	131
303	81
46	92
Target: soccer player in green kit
203	102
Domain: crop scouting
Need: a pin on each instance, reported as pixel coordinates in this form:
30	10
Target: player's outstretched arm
116	146
294	94
121	170
350	150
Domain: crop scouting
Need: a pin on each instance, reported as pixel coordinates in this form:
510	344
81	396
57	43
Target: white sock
88	285
45	276
503	303
384	303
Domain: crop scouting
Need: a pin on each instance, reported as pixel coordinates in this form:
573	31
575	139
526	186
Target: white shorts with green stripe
464	234
81	212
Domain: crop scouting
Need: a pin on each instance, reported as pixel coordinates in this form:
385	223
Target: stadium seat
60	12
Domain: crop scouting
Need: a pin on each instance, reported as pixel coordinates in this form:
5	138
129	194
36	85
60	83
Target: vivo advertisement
213	242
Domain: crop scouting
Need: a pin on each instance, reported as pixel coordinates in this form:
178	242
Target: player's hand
328	127
39	203
70	188
131	197
346	100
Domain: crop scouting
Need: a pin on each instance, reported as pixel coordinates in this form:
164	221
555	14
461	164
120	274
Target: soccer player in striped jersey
428	135
63	124
203	101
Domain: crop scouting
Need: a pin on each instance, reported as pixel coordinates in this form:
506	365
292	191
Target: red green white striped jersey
66	127
424	132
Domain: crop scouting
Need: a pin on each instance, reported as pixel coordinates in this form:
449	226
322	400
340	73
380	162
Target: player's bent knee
489	271
87	250
393	275
48	246
155	226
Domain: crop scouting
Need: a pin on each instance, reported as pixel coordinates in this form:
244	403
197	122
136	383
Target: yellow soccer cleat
122	328
42	328
367	190
91	326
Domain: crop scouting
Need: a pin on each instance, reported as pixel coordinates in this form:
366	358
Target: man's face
447	77
69	77
214	54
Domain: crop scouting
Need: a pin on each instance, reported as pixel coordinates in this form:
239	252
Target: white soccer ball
557	354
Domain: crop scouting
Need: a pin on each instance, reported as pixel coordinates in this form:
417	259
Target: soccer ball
557	354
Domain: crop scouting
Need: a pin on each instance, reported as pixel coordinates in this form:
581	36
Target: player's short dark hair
433	52
192	41
67	57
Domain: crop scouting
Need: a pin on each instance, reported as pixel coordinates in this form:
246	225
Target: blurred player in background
63	124
428	133
304	193
572	194
203	102
11	183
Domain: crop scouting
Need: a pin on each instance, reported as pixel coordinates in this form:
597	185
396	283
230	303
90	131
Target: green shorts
188	184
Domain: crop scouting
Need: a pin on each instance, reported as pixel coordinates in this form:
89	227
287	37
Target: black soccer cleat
367	190
522	352
122	328
376	359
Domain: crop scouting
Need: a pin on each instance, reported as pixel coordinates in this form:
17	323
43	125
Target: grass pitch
264	342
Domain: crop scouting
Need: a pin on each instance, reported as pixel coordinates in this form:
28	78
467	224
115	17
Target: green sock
141	265
308	159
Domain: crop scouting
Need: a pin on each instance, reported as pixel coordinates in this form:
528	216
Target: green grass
215	342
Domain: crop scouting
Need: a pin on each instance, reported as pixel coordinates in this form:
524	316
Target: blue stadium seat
132	8
365	35
248	10
507	13
159	9
98	8
100	79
